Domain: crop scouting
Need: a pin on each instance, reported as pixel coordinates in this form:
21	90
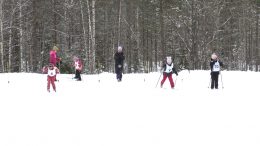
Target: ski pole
158	79
221	81
209	82
175	82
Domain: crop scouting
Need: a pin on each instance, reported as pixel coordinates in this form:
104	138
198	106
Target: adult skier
215	66
54	59
119	62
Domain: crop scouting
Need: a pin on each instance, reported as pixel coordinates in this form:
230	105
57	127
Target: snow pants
214	80
51	80
77	75
119	71
169	76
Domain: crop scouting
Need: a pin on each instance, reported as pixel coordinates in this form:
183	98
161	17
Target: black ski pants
214	80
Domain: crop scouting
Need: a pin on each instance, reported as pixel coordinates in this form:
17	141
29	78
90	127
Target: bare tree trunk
21	38
90	37
10	46
162	31
93	35
92	43
1	37
119	24
84	30
257	35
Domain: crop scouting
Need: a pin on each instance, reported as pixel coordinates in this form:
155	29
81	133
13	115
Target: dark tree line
149	30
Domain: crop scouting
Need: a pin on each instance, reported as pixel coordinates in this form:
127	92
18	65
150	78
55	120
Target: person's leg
78	75
120	74
171	81
117	72
75	77
53	84
216	80
48	83
164	78
212	81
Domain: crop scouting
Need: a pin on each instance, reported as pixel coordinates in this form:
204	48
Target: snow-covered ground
99	111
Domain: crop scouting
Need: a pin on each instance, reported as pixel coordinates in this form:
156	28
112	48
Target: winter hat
55	48
119	49
169	59
214	56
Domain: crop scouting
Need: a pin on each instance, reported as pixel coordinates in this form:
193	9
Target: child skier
168	70
51	71
215	65
78	68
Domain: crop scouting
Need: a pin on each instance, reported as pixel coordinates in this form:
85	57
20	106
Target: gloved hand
176	74
211	73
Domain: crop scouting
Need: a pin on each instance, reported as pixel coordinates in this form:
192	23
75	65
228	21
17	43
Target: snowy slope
99	111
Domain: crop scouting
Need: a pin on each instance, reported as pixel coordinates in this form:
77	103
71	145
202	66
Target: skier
168	70
51	71
215	65
119	61
78	68
53	57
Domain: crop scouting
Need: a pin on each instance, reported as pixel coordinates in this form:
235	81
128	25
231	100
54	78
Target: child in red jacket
51	70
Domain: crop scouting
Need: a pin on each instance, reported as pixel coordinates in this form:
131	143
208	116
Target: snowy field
99	111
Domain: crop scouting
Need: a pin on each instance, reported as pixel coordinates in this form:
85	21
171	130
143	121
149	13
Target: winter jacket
215	65
169	69
119	59
53	57
50	71
78	65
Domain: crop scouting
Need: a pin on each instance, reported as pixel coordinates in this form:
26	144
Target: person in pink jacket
78	68
51	71
53	57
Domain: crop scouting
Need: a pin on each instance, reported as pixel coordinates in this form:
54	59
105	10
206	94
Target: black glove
211	73
174	71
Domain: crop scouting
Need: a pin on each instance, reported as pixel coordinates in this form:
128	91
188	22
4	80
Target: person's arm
45	69
163	67
221	63
115	56
174	71
211	64
123	56
57	70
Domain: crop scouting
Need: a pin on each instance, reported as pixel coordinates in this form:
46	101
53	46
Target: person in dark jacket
215	66
168	70
119	62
